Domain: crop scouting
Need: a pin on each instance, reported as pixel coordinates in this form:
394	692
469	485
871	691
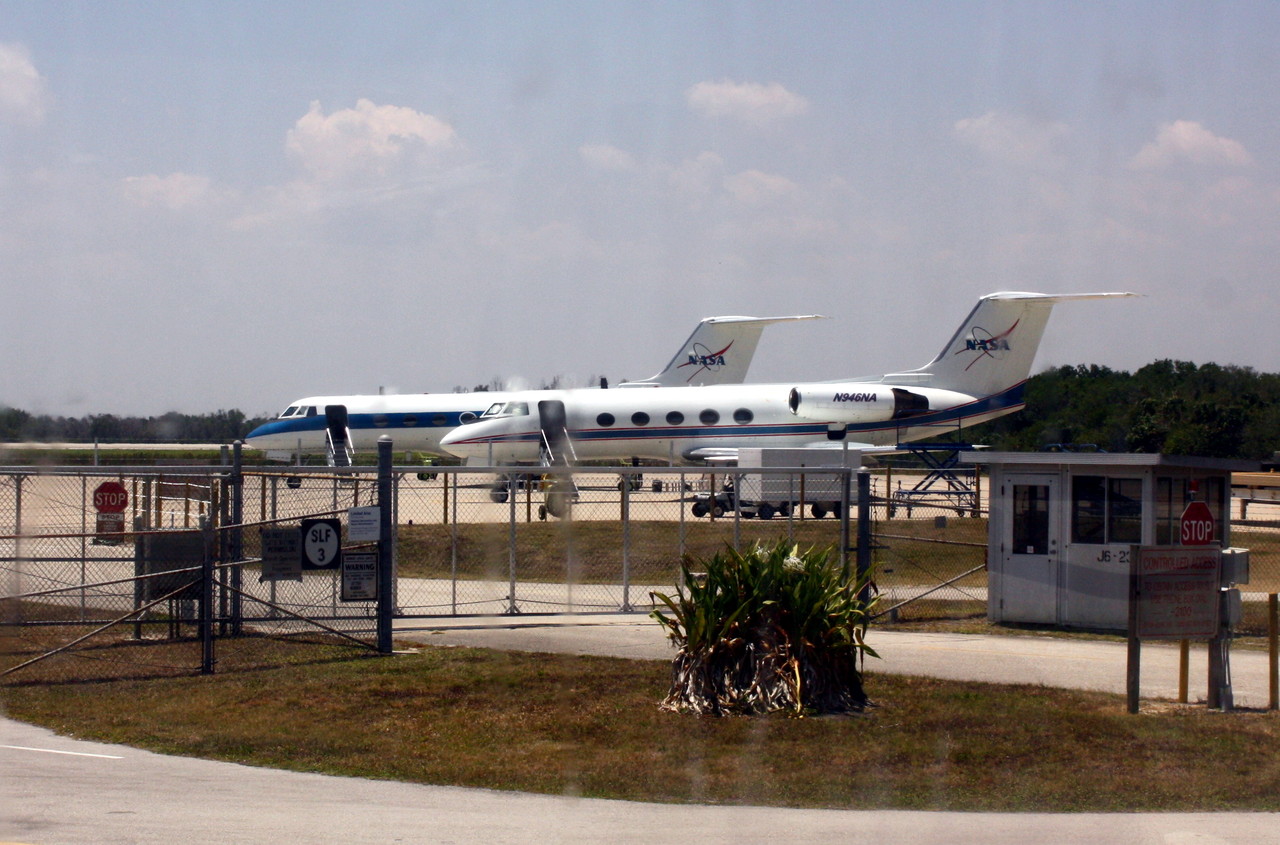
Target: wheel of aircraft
558	503
765	511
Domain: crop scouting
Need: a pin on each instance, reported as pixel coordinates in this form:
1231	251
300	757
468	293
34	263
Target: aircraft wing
713	455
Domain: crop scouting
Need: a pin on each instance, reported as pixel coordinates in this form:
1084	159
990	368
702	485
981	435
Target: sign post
109	500
1174	594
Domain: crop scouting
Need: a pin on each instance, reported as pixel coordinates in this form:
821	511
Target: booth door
1029	551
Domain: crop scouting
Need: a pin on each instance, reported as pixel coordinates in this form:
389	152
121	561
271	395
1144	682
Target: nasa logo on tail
704	359
985	344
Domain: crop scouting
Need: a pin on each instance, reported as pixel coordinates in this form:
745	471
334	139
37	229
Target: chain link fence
138	572
84	594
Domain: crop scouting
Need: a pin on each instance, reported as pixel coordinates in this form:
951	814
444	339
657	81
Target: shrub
771	629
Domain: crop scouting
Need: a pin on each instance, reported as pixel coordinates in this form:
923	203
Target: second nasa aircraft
979	375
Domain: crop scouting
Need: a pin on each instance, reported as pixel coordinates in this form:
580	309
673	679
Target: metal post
206	600
1133	662
235	547
512	487
680	498
138	539
864	534
626	544
386	546
737	512
1273	650
1184	669
84	549
452	478
846	514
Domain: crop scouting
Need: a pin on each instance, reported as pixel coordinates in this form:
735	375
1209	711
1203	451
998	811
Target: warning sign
281	554
109	529
360	576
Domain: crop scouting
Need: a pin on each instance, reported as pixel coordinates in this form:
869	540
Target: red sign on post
1197	525
110	497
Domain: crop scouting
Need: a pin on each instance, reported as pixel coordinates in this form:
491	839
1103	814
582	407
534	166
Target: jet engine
858	402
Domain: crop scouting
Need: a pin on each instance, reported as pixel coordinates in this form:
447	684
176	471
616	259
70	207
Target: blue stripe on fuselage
361	422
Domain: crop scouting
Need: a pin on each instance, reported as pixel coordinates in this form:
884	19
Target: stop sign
1197	525
110	497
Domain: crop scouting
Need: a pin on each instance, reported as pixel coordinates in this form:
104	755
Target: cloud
1012	139
369	139
695	176
24	97
750	102
175	191
606	157
752	187
1188	141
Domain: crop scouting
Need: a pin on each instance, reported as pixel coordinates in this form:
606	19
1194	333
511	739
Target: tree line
1174	407
218	427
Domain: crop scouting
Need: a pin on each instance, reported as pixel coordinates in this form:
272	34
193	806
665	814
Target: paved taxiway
59	790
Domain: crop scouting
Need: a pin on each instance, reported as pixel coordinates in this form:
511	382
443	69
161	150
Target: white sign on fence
360	576
364	524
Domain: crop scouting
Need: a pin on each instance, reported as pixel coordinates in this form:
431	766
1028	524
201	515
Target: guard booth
1062	525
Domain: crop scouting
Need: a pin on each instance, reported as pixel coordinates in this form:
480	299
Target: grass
542	548
591	726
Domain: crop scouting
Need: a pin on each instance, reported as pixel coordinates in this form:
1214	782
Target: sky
230	205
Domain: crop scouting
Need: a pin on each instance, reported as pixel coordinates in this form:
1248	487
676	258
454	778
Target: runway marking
55	751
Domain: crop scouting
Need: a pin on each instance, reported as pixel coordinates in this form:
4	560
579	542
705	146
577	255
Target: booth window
1106	510
1172	497
1031	519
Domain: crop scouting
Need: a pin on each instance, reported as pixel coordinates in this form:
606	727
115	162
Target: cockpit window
311	410
508	409
289	411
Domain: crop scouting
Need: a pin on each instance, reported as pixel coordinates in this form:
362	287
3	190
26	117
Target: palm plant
771	629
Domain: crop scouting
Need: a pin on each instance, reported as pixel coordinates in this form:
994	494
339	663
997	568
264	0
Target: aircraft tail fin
995	346
718	352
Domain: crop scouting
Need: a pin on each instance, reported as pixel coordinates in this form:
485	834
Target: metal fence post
206	599
235	539
846	514
626	544
864	533
512	488
386	547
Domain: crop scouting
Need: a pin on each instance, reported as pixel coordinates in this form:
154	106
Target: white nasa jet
718	352
979	375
